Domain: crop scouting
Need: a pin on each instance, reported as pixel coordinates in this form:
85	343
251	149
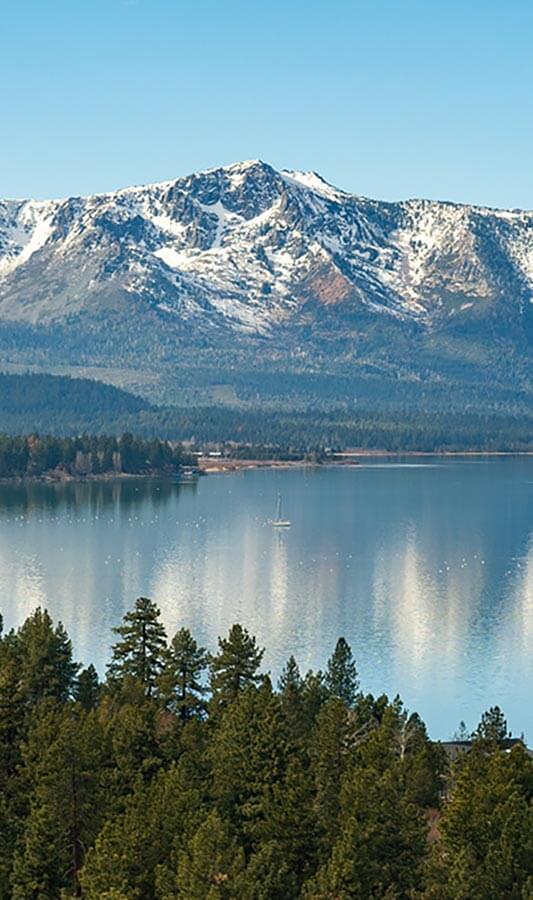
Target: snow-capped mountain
247	259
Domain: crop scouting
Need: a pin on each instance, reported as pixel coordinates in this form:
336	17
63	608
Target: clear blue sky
388	98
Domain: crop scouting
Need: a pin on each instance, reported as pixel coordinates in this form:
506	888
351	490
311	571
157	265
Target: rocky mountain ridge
204	270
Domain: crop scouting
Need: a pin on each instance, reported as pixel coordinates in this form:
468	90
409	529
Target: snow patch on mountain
247	246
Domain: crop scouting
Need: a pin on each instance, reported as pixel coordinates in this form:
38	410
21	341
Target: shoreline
214	466
64	478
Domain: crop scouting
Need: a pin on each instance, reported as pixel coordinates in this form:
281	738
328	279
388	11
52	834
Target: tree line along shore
38	456
186	773
51	458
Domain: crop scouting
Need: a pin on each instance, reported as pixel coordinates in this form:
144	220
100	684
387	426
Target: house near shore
455	749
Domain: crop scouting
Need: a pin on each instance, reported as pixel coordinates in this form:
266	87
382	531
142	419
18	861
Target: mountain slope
51	404
247	268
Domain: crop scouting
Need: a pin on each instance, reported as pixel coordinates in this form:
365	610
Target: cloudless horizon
387	99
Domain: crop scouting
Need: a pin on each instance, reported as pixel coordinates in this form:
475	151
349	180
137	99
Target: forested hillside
187	774
60	406
54	403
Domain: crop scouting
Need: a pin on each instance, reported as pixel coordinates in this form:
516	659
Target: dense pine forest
34	456
187	774
348	417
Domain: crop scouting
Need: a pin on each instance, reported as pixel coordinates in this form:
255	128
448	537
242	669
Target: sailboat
279	521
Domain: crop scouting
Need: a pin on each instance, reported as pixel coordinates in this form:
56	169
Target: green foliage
235	666
486	851
210	867
341	673
141	652
274	415
87	688
382	843
146	788
44	654
85	455
132	845
331	746
492	727
64	763
181	681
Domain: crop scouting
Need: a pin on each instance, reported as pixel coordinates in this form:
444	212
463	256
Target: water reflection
427	570
93	498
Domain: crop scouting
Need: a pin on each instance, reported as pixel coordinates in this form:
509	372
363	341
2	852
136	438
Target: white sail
279	521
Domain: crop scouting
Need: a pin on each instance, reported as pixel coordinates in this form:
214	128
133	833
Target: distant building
455	749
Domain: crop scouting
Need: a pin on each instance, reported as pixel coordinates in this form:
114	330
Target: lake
424	565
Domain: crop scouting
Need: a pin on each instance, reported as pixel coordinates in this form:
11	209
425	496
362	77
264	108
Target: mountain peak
246	251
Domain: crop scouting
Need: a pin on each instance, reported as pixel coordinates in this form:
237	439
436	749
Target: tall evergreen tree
181	685
330	756
64	761
47	669
248	754
14	720
486	847
269	875
381	846
235	666
133	844
341	674
141	651
87	688
293	701
492	726
211	866
290	680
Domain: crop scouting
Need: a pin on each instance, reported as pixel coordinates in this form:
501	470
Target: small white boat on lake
279	521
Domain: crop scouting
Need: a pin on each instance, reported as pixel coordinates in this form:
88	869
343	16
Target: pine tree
492	727
293	701
235	666
330	756
140	654
47	669
87	688
382	844
269	875
290	825
63	766
133	731
486	829
181	686
248	754
290	680
341	674
132	845
461	733
211	866
13	727
315	694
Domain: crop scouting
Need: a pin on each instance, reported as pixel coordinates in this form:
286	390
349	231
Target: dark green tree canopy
181	682
141	651
236	665
87	687
144	788
44	653
493	726
341	675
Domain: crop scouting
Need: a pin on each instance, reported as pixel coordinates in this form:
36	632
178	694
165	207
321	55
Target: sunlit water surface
425	567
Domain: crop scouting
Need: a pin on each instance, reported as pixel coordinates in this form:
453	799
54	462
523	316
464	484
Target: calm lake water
425	567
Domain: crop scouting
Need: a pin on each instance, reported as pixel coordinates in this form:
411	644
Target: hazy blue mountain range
249	285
